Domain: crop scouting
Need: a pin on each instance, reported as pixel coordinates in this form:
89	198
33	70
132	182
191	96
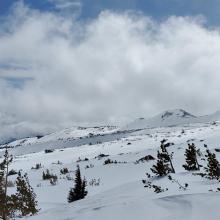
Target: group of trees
164	164
23	202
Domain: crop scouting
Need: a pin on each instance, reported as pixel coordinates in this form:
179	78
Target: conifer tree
2	193
213	166
165	154
23	200
164	161
79	190
84	192
6	205
161	168
25	197
191	158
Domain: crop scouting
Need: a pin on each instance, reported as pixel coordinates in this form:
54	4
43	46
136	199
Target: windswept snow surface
75	136
173	117
121	194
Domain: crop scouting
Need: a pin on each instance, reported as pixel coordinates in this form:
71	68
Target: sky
89	62
158	9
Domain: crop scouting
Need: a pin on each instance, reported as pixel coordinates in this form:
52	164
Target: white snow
171	118
121	194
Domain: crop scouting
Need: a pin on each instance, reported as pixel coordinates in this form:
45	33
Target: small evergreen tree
161	168
2	193
48	176
25	197
164	163
84	192
6	205
213	166
79	190
23	200
191	158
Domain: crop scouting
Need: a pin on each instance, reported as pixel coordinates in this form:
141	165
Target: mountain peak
176	113
167	118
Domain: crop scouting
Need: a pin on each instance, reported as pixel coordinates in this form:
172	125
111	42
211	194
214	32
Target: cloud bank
111	69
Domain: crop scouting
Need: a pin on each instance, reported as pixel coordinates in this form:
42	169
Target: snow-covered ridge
78	136
171	118
70	137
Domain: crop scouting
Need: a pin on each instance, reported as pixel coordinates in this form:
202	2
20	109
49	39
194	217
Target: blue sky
158	9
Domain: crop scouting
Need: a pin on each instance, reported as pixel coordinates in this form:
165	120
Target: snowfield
120	193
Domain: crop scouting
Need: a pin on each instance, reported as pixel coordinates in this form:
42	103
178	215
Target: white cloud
72	7
66	3
113	68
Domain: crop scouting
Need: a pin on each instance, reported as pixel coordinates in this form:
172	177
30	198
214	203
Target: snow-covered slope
171	118
120	193
78	136
210	118
75	136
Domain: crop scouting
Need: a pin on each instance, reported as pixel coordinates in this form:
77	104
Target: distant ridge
168	118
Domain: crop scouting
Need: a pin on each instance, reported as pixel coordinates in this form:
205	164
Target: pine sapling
164	163
6	206
161	168
191	158
79	190
25	197
213	166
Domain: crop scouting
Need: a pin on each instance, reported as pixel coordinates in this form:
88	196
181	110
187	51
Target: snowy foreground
120	193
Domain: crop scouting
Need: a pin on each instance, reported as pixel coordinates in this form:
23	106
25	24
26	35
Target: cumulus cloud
108	70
